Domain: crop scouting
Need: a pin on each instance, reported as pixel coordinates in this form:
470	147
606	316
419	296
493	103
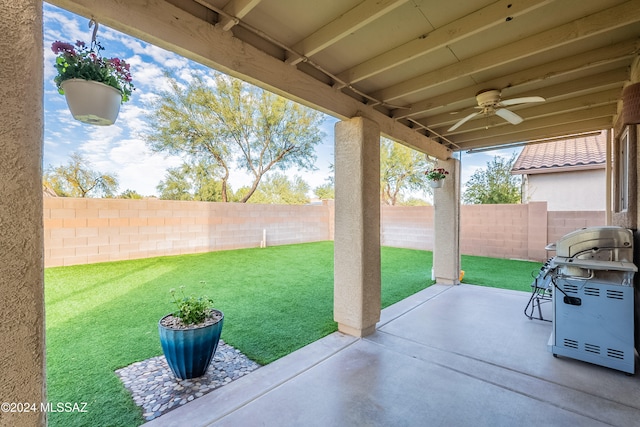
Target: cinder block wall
494	230
519	231
561	223
407	227
81	231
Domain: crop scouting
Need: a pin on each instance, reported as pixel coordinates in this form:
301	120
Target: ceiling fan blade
509	116
523	100
463	121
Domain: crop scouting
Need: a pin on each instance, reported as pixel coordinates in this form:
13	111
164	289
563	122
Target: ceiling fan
489	102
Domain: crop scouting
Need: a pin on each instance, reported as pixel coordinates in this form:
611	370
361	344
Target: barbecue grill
593	297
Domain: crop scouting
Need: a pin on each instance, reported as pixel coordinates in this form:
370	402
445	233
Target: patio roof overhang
407	68
412	66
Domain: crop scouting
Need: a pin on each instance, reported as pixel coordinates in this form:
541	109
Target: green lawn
101	317
499	273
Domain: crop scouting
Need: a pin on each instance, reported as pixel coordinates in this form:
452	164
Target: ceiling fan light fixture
489	102
488	97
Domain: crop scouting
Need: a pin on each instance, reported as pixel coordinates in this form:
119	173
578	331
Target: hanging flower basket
94	86
436	177
92	102
436	183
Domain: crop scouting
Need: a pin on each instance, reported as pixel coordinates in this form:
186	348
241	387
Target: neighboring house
569	174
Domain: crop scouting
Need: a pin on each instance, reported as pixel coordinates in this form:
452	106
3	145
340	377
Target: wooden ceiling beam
608	54
601	81
450	33
237	9
336	30
589	26
550	109
508	131
557	130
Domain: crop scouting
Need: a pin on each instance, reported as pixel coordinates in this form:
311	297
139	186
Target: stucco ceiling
417	64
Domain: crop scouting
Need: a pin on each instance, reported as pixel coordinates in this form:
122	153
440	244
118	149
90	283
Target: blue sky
120	148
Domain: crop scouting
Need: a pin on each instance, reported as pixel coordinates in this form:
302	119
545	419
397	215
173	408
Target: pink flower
84	63
436	174
61	47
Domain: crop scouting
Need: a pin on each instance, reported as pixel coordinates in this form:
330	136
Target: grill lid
617	241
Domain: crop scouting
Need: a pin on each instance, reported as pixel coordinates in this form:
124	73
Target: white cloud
138	168
134	117
97	151
63	27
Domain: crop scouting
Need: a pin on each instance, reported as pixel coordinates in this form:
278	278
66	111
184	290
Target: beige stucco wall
581	190
357	276
446	252
21	270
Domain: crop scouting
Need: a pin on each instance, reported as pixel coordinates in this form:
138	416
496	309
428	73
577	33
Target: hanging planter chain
93	23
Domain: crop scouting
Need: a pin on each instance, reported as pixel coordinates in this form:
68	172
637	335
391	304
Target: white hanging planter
436	183
92	102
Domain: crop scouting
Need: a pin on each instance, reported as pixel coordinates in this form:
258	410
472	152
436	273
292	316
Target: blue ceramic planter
189	351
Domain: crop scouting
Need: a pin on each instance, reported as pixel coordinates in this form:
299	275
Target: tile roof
588	150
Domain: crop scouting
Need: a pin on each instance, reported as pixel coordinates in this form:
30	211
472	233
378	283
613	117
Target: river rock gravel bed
154	387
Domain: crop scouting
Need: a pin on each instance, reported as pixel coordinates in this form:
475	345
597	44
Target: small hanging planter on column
94	86
436	183
436	177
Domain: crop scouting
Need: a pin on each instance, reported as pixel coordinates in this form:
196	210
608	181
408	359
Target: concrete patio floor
447	356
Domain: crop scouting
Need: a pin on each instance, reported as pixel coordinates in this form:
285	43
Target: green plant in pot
190	335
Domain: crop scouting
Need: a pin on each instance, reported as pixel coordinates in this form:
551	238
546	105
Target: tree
276	188
414	201
232	122
325	191
78	179
175	185
493	185
401	170
130	194
192	182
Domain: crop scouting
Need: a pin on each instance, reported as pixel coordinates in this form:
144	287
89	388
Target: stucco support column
357	226
446	250
22	377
